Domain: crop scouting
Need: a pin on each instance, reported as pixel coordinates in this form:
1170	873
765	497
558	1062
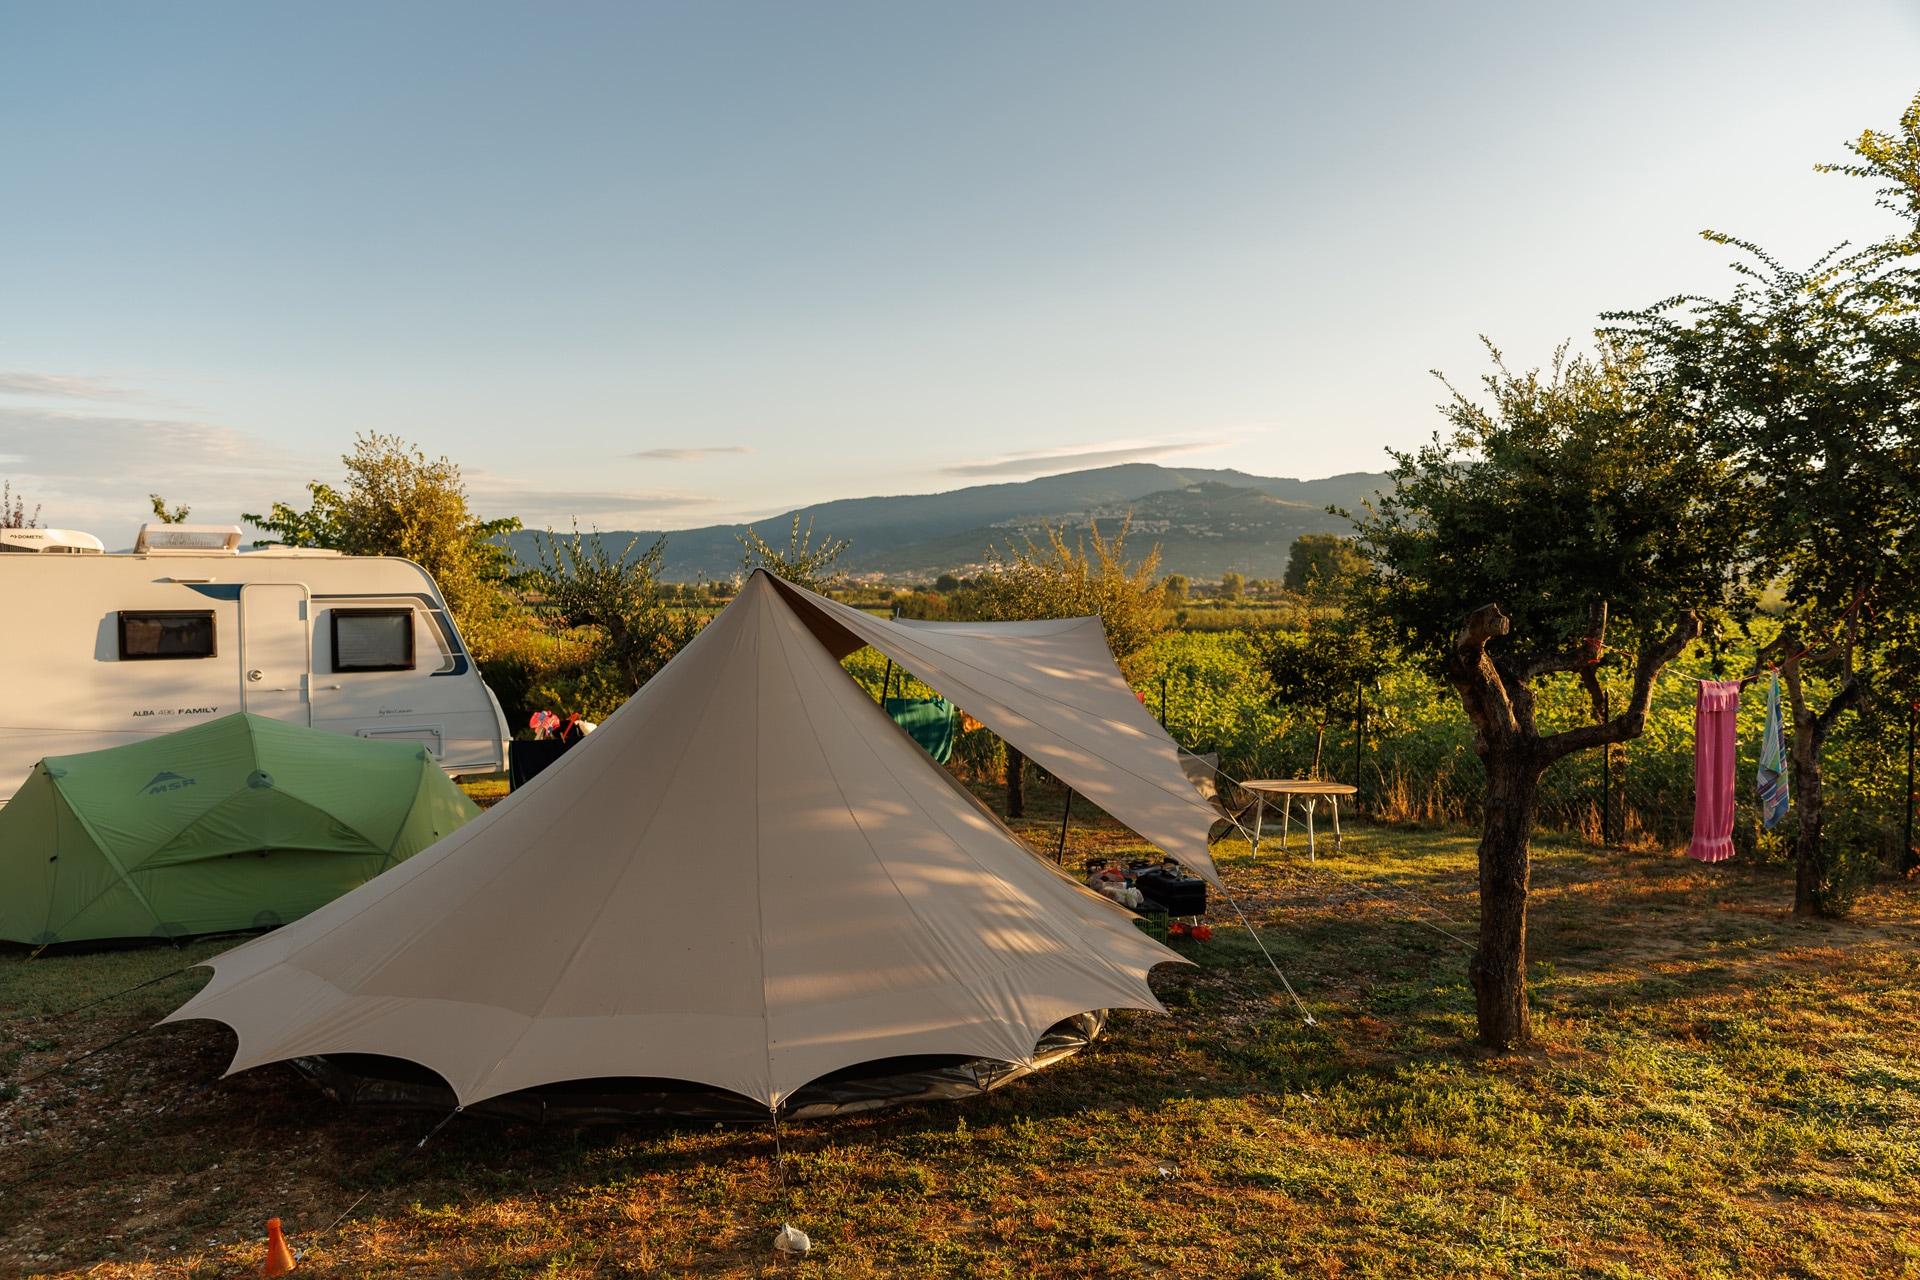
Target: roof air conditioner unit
69	542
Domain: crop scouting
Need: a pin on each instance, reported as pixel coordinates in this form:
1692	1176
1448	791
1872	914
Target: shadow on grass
147	1134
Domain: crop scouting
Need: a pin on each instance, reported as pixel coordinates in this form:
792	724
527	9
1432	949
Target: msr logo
164	782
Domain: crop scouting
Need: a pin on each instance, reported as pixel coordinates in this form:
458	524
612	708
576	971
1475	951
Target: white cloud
688	454
96	388
94	471
546	507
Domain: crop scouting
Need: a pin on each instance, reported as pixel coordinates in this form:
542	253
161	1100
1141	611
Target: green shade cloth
243	822
931	722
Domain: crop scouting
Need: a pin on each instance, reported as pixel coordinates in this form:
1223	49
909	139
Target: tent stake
437	1128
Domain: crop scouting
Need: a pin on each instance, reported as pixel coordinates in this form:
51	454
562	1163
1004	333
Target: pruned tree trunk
1016	783
1499	702
1319	740
1810	731
1499	964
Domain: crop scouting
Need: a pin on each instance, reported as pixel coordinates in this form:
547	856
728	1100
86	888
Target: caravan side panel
101	650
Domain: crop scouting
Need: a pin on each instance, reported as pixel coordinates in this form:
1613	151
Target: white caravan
99	648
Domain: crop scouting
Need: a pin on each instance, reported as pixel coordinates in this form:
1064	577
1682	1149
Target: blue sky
660	265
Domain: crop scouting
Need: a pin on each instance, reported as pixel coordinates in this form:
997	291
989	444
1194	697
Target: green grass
1719	1091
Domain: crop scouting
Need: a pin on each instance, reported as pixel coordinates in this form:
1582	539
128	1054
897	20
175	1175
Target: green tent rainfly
239	823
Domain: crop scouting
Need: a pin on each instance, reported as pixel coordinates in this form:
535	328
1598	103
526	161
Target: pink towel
1713	749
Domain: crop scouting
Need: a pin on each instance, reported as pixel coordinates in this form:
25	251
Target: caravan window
166	633
373	639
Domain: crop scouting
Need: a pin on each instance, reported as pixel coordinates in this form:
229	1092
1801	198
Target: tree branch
1472	672
1853	693
1629	723
1591	649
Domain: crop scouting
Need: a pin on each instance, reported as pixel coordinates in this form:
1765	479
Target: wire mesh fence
1406	745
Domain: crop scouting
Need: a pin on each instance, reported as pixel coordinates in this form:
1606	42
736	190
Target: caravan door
275	650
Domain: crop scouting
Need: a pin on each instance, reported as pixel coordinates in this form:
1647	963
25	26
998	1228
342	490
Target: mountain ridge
1206	520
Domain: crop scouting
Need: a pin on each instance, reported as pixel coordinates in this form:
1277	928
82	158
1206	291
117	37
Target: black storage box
1172	891
527	757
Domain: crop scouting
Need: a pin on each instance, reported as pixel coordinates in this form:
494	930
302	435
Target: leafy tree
13	509
1173	588
399	502
621	596
1320	669
946	584
1892	159
1323	566
1055	578
1232	585
165	514
802	561
1809	381
1569	518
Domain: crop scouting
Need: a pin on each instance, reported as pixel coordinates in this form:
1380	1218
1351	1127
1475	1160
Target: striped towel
1771	779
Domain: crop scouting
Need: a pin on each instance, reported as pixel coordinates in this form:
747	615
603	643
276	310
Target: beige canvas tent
748	879
1051	689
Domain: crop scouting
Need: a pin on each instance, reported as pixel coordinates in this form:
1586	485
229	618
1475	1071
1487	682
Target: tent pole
1066	812
886	683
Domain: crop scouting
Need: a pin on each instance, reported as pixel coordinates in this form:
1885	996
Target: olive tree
802	561
1808	380
621	596
1569	525
1321	668
399	502
1323	566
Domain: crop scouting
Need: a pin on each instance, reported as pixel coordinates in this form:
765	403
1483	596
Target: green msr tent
239	823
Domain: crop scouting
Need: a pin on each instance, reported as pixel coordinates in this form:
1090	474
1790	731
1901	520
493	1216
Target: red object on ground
279	1257
1202	932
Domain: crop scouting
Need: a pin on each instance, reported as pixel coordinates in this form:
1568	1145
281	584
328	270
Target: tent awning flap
1052	690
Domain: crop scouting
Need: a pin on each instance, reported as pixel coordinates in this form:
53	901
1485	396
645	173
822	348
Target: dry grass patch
1720	1091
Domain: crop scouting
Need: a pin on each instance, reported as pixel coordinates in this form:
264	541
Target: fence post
1909	856
1359	736
1606	794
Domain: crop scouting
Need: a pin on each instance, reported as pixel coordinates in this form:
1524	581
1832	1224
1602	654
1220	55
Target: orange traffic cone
279	1257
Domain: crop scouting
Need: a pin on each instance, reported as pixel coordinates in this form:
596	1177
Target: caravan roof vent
70	542
187	539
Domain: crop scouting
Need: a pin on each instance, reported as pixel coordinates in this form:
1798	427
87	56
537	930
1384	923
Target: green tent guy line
240	823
